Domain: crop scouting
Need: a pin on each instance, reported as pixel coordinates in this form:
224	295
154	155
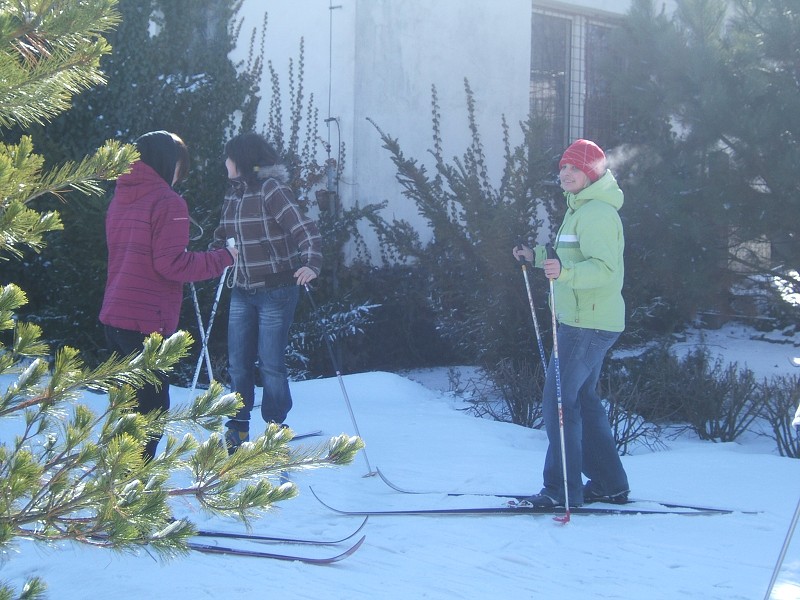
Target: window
567	87
550	59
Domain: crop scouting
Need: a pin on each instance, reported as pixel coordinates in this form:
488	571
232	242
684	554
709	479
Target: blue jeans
588	440
258	333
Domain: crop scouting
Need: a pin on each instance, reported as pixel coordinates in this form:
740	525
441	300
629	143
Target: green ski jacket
590	244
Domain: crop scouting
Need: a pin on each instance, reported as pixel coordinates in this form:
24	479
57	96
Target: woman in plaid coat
279	251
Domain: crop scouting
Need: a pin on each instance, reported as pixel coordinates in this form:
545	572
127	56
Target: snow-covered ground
418	435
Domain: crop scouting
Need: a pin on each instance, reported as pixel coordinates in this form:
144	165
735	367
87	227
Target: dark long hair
249	151
163	152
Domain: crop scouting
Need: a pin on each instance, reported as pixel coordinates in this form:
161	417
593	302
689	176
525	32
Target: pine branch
22	180
50	54
216	474
109	162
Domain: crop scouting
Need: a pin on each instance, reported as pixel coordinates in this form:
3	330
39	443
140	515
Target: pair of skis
512	506
207	548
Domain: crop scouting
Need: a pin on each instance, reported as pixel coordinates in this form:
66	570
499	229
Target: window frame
579	62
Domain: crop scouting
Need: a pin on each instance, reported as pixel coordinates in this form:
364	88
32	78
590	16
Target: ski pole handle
552	255
520	259
230	244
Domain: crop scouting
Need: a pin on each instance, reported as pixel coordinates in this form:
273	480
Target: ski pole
370	472
551	253
204	353
204	336
523	263
231	243
784	548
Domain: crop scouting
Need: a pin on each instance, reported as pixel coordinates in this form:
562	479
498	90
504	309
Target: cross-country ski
511	508
264	538
249	553
518	496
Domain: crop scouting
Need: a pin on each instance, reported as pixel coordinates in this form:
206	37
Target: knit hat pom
586	156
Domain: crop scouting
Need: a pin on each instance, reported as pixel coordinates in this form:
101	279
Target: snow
418	433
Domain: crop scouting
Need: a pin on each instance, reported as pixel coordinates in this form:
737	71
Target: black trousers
149	397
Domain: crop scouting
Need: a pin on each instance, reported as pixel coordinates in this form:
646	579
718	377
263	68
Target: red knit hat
587	156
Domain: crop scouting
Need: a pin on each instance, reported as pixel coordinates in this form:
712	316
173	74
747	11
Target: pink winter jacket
147	231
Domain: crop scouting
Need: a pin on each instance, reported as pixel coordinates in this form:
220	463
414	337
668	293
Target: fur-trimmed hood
279	172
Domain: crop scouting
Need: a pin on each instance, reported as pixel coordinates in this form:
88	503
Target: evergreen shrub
779	399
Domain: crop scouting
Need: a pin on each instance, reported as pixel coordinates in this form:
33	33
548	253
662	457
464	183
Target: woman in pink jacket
147	231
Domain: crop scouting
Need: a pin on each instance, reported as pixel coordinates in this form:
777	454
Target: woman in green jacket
588	274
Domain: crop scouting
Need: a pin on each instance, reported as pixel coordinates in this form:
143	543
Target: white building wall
379	59
407	47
